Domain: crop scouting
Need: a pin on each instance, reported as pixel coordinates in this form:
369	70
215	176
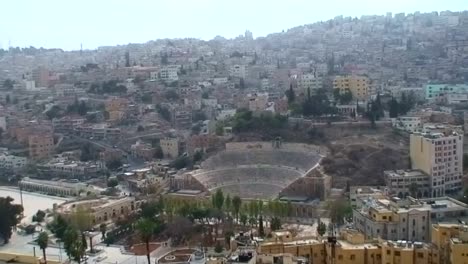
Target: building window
340	257
352	257
420	255
388	252
397	253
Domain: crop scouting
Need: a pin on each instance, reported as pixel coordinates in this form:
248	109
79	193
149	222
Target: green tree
58	227
227	203
73	245
393	108
140	128
43	242
339	211
242	83
275	224
290	94
53	112
180	162
218	199
11	216
112	183
236	205
197	156
7	99
158	153
218	248
8	84
114	164
243	219
321	228
146	228
39	217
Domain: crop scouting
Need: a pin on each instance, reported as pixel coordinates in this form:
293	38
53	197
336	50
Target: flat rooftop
404	173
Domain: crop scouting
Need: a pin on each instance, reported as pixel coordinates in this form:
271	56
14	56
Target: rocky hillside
361	160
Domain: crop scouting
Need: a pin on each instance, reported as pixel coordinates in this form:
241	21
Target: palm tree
43	241
146	228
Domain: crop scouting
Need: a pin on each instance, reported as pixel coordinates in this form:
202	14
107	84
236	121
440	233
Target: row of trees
78	107
244	121
108	87
314	105
401	107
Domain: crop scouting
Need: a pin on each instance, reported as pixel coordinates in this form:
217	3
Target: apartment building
407	123
238	71
438	92
169	73
405	219
449	245
403	183
41	146
67	124
357	85
12	162
97	131
142	150
170	147
440	155
181	118
311	81
71	169
40	76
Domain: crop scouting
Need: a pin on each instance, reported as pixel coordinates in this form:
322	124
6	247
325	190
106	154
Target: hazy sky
67	23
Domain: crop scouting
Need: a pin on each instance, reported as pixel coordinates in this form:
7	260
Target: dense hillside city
340	141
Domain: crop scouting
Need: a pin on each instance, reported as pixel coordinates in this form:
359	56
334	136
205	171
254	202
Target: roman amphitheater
262	170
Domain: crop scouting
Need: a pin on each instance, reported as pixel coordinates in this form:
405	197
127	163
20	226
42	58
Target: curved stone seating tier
298	160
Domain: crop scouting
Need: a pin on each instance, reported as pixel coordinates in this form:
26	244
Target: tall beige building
170	147
41	146
357	85
40	76
440	155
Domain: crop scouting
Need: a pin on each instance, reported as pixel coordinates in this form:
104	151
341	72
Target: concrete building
238	71
40	76
357	85
170	147
407	123
405	219
67	124
41	146
437	92
11	162
102	210
97	131
181	118
403	183
309	81
3	124
440	155
142	150
71	169
169	73
358	193
61	188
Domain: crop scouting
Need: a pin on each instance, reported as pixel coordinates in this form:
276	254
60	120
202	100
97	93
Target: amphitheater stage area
257	170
